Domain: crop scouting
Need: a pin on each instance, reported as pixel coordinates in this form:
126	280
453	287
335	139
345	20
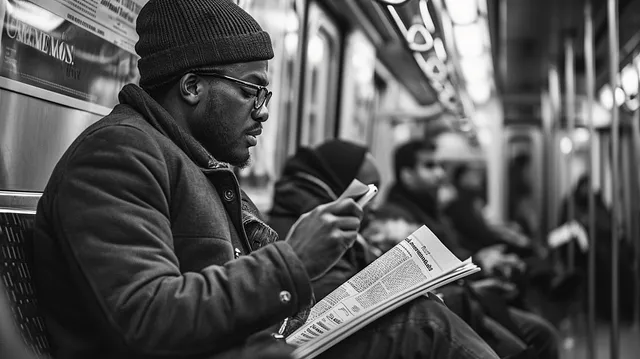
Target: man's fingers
347	223
345	207
350	238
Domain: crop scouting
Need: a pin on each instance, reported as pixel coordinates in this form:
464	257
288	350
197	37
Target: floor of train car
573	329
574	340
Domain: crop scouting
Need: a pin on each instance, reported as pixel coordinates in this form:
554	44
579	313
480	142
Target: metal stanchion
570	113
614	61
635	156
590	69
552	147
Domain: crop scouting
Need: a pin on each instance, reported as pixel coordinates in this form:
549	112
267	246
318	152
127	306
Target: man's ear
191	88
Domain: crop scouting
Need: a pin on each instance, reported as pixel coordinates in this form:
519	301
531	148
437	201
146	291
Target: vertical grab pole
635	158
555	101
590	69
614	61
570	113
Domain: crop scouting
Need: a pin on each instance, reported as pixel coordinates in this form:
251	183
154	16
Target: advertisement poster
112	20
40	50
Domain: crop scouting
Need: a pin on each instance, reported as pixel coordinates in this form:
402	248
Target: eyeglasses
263	95
431	164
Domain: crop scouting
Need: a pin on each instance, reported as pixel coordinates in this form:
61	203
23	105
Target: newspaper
415	266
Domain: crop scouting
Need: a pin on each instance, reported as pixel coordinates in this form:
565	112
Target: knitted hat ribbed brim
181	35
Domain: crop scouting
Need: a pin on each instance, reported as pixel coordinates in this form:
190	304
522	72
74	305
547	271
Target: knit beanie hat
177	36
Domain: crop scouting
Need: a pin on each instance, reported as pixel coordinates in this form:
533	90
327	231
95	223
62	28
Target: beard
218	135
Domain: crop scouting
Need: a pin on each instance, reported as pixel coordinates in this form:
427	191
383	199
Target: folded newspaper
415	266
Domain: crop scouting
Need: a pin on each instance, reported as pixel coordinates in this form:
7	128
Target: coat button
228	195
237	253
285	297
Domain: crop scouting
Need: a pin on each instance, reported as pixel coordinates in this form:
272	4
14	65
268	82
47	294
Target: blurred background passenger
603	226
414	199
314	176
521	210
476	232
465	210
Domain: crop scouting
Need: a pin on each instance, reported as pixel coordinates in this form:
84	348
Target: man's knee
423	328
538	332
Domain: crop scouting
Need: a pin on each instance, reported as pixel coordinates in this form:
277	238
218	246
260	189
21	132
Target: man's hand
512	237
322	236
493	259
506	289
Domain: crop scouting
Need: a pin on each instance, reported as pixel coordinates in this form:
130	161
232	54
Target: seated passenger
145	247
465	212
580	198
315	176
413	198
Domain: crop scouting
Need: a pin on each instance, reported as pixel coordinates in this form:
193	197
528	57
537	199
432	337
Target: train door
359	89
281	19
321	73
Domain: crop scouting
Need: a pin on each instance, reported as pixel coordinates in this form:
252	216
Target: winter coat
141	247
423	209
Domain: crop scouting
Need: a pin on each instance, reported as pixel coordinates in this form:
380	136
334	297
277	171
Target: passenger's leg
505	343
538	333
424	328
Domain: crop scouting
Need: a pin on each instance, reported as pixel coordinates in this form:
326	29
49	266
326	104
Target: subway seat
16	232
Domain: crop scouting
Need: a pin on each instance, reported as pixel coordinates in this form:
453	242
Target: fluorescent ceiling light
620	96
485	137
470	39
482	7
566	146
315	50
581	135
393	2
462	12
606	96
479	92
34	15
475	69
629	79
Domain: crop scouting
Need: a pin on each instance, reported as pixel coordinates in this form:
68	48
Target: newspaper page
417	264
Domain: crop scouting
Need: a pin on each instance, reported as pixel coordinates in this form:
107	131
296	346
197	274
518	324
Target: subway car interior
540	98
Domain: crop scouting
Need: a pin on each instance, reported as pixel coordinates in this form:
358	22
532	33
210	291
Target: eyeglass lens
262	98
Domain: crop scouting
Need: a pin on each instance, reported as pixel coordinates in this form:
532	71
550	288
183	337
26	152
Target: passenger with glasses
145	246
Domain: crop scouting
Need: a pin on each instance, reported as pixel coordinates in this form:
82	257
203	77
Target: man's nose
261	114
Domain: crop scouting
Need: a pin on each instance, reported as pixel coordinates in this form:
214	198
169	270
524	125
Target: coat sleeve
111	214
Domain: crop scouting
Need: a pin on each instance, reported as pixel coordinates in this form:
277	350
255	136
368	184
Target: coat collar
135	97
424	203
